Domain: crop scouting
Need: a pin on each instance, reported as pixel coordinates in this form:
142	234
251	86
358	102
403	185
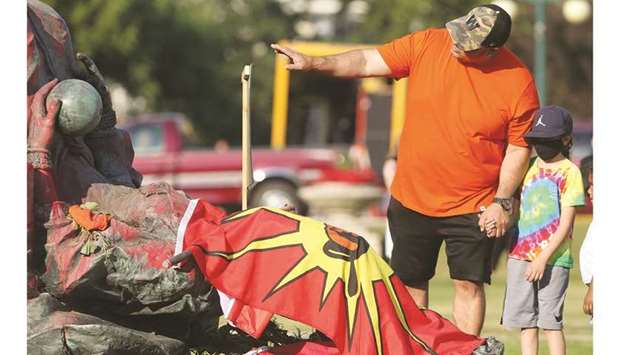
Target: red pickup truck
162	154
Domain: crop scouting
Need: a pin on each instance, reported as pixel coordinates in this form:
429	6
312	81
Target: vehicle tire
276	193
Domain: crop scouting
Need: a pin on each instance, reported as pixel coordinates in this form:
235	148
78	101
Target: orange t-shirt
459	121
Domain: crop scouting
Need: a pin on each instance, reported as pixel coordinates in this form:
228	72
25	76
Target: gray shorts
534	304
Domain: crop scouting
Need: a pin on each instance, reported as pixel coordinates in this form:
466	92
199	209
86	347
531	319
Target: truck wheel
276	193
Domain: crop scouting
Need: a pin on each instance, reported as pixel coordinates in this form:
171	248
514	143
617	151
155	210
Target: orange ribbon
87	220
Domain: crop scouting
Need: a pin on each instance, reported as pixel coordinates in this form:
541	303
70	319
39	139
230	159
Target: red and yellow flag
268	261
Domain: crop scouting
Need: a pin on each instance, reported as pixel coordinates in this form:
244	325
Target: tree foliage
186	55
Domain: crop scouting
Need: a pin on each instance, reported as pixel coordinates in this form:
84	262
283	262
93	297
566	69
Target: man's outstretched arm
358	63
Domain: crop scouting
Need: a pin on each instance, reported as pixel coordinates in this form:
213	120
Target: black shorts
417	239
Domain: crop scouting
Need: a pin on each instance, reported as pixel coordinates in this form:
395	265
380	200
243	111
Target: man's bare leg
419	292
469	306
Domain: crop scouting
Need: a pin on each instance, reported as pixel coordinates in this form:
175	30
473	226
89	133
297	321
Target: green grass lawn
578	331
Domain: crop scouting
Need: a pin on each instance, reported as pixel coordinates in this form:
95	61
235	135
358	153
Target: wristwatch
506	203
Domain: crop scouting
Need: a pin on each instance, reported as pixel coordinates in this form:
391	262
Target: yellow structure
281	84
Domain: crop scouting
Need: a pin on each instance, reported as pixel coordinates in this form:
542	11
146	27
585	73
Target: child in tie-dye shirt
540	256
547	188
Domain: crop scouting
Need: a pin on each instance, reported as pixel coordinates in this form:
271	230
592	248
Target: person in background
586	252
540	258
389	169
221	145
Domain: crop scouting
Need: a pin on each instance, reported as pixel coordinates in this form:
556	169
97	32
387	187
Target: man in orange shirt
470	101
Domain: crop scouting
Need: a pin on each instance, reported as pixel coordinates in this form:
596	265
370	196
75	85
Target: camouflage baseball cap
484	26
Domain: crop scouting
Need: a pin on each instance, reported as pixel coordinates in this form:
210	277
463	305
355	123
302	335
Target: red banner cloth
273	261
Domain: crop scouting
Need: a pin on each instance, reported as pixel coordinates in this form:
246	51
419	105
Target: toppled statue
63	167
55	329
96	238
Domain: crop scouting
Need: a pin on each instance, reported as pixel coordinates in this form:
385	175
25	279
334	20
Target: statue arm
41	121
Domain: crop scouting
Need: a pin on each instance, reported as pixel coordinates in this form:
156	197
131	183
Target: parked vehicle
582	141
162	154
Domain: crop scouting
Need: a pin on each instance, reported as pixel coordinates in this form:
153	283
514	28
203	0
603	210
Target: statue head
50	50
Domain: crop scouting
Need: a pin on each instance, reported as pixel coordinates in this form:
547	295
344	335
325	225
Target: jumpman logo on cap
540	122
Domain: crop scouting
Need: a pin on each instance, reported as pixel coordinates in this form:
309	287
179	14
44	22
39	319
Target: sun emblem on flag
342	256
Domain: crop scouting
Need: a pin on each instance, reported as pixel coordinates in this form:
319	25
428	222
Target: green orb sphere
81	107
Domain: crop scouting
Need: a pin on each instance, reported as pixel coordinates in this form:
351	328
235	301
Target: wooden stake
246	138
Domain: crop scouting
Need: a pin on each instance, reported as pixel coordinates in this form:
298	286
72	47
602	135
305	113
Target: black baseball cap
550	122
484	26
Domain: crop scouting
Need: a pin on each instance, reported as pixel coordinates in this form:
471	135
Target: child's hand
535	270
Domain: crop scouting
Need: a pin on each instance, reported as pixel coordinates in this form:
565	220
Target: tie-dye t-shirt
543	193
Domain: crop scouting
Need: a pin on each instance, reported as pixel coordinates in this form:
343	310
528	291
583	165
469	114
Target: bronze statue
110	276
62	167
